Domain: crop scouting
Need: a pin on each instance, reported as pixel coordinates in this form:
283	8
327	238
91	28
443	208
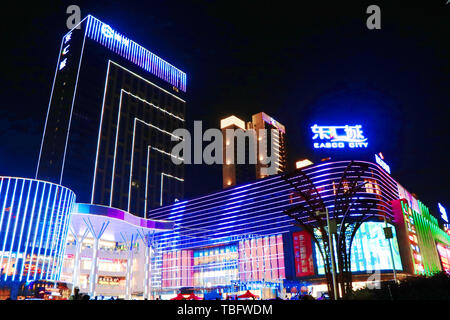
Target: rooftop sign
338	137
130	50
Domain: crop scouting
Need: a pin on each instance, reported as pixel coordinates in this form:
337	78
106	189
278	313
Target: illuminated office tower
233	173
112	111
277	137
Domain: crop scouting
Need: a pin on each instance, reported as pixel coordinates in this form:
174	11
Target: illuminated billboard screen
444	255
370	250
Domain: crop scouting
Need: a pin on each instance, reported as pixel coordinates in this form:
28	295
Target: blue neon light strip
130	50
28	230
258	207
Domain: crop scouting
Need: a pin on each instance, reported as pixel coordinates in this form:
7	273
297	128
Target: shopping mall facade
224	242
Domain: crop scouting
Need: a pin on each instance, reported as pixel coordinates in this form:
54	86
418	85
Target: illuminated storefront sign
108	280
410	225
339	137
443	212
382	164
444	255
303	254
422	232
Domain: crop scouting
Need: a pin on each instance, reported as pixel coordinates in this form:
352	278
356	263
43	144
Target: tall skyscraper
108	133
263	121
234	173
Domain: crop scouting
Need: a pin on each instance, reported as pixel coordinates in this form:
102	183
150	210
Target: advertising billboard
370	250
303	254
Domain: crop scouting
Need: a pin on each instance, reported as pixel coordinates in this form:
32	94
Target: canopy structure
107	224
118	224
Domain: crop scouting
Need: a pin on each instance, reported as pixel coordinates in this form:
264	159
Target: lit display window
370	250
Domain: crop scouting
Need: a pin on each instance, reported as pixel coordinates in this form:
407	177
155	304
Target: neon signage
130	50
382	164
339	137
65	50
108	32
443	212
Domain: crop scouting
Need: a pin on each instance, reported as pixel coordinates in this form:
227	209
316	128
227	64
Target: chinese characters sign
338	137
303	254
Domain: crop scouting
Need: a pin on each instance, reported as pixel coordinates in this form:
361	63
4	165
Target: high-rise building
234	173
112	111
277	137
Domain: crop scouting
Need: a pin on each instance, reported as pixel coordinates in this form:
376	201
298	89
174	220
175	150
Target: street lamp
388	235
331	247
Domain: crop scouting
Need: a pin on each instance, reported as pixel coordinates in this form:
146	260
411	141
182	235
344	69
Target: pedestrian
76	294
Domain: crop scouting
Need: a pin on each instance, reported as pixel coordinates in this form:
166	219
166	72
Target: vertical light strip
25	215
146	182
47	254
48	109
71	109
11	207
54	240
63	231
57	234
36	230
30	223
131	168
99	134
42	231
11	248
161	191
115	147
4	203
2	213
66	226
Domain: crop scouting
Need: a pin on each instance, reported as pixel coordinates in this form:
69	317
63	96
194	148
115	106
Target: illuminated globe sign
338	137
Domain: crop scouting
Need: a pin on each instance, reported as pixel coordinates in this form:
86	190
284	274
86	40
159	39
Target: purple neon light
135	53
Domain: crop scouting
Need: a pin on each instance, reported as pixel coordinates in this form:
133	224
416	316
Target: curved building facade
257	208
34	220
240	238
109	252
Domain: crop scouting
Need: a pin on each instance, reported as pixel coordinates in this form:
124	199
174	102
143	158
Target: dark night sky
300	64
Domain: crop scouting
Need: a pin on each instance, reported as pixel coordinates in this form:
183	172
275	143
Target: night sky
300	64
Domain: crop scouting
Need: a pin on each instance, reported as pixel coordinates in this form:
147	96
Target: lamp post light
331	248
389	235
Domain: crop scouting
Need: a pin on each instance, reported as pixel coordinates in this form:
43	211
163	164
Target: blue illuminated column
96	234
130	244
76	266
148	241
